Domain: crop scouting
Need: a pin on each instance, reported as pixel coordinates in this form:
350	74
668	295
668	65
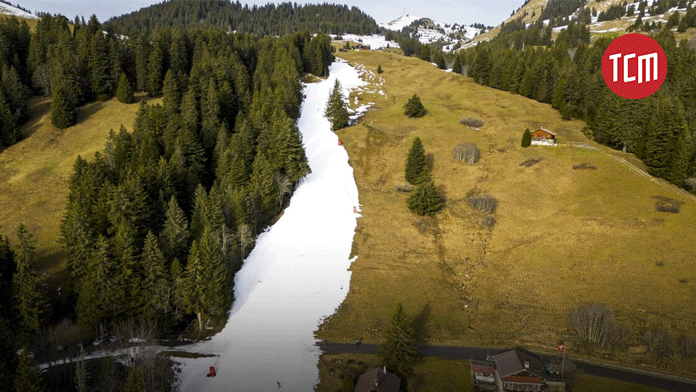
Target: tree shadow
421	324
38	107
430	161
88	110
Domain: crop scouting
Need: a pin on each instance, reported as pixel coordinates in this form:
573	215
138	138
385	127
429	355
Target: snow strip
296	275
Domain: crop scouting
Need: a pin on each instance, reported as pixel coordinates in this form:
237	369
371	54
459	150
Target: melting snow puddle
297	273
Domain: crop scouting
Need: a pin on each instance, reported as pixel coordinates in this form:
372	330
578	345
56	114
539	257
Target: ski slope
296	274
6	9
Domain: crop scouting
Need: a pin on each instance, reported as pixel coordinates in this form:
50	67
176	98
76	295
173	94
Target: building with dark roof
378	380
519	371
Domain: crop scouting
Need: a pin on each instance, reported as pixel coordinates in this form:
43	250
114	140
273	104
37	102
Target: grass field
34	174
562	237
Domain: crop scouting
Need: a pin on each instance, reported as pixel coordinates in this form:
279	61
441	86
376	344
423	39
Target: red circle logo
634	66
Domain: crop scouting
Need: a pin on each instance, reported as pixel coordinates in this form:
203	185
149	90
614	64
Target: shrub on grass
593	323
690	184
466	152
488	221
379	68
687	346
483	203
471	121
526	138
666	204
584	166
414	107
531	162
658	342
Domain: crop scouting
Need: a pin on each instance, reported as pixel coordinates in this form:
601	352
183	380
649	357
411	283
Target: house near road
543	137
378	380
513	371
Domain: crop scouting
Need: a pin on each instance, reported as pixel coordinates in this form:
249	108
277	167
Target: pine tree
81	372
526	138
124	92
9	131
379	68
398	352
29	300
296	165
263	187
100	67
457	66
28	378
426	199
8	356
156	284
63	113
440	60
135	382
414	107
174	236
416	163
336	111
155	72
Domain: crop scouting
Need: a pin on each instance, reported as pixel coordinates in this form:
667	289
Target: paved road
636	376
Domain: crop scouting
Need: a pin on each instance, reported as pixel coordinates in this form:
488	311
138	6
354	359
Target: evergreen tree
457	66
174	236
398	352
416	163
156	284
262	187
63	107
28	378
440	60
379	68
526	138
155	71
100	67
135	382
296	165
9	131
124	91
414	107
29	299
426	199
424	53
336	111
8	355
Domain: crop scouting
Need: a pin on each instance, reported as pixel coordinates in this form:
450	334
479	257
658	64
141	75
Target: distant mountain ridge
270	19
429	31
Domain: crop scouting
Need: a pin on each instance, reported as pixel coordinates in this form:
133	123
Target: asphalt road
454	352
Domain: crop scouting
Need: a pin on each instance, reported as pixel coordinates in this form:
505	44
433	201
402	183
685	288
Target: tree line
566	73
269	19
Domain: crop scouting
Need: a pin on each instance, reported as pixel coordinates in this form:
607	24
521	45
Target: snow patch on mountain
7	9
400	22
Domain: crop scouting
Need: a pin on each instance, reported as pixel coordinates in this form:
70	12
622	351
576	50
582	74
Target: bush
666	204
593	323
379	68
414	107
467	152
526	138
483	203
687	346
584	166
690	184
531	162
658	342
471	121
488	221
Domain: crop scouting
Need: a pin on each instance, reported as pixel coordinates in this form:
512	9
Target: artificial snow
297	273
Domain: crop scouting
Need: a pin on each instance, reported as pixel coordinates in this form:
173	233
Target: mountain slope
9	9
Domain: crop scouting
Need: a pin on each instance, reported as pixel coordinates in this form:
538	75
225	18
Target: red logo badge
634	66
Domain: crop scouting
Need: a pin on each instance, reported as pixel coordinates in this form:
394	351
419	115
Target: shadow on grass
421	324
38	108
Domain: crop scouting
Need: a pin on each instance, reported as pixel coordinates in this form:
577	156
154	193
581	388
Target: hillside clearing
34	173
561	237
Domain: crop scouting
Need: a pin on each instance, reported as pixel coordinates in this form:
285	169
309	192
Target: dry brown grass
34	173
562	237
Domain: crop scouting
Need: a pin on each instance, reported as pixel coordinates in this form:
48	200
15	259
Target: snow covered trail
296	274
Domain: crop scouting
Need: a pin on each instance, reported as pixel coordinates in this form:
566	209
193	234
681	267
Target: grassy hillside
34	173
562	237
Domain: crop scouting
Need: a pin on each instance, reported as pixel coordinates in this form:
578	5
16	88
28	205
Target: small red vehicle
212	372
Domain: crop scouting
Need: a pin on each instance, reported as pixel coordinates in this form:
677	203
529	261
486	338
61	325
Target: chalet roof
528	380
511	362
545	130
378	380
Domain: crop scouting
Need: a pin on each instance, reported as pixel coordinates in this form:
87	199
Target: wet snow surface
296	274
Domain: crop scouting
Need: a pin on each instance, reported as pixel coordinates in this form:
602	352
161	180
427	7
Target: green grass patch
587	383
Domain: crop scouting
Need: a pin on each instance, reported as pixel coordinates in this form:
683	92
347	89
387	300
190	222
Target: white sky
443	11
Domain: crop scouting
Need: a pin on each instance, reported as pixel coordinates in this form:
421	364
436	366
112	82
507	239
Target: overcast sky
443	11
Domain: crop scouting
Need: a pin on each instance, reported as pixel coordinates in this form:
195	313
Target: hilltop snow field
6	9
296	275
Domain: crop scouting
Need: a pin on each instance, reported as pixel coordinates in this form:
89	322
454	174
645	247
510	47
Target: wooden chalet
519	371
378	380
543	137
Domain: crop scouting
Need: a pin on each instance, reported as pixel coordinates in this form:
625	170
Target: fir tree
379	68
416	163
526	138
156	284
440	60
336	111
457	66
29	299
155	72
8	356
175	233
63	113
9	131
296	165
135	382
100	67
124	92
414	107
28	378
426	199
398	352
